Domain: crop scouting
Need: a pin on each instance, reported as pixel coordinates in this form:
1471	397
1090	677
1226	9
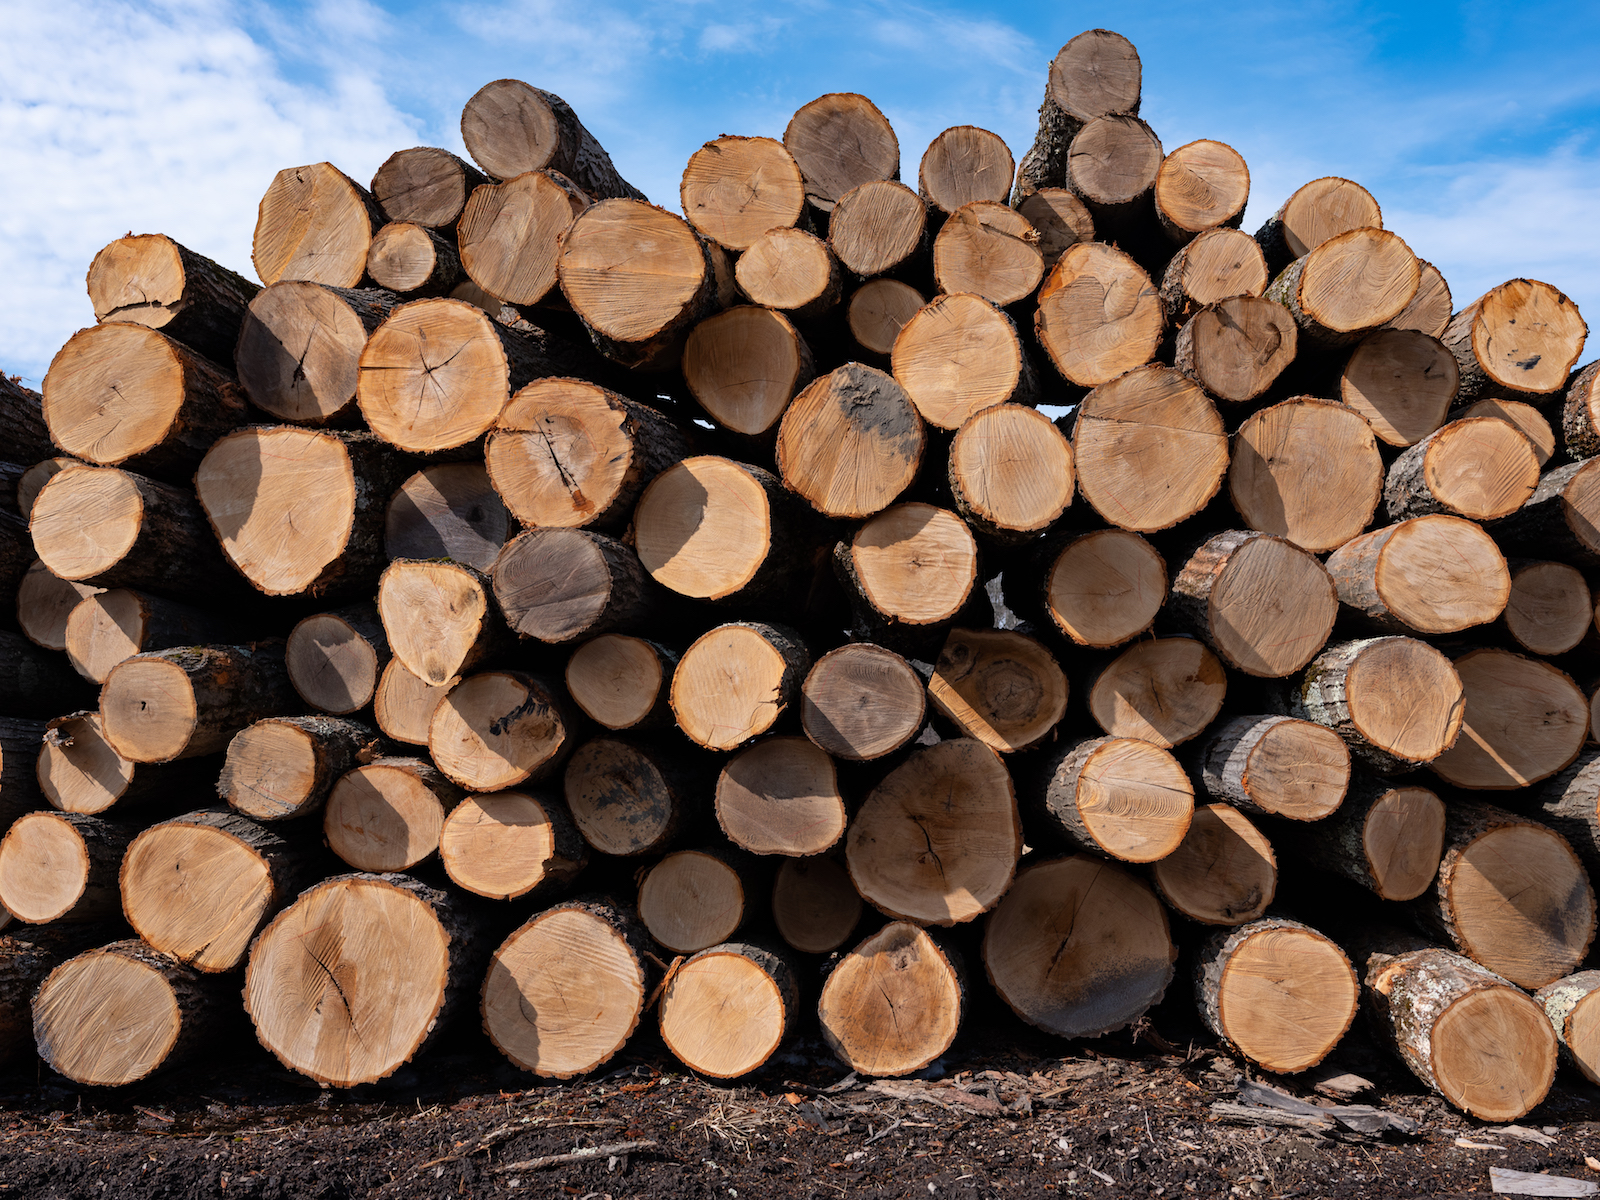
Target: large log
26	957
1276	766
57	866
1478	467
790	271
781	796
498	729
1096	73
511	844
878	311
1318	211
79	772
726	1010
693	899
1236	348
509	128
1560	520
851	442
999	686
815	907
1348	286
284	767
1099	315
1568	1004
1164	691
448	510
1217	264
1387	837
1525	720
1119	798
44	605
840	141
110	626
510	235
622	682
1202	185
149	279
1010	472
1396	702
314	223
962	165
734	189
299	351
736	681
744	365
413	260
335	659
557	585
877	227
386	815
425	184
989	250
861	701
1223	873
1403	382
1101	589
438	618
899	969
959	355
1520	340
1429	575
631	798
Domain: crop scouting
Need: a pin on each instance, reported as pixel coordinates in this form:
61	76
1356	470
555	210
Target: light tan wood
989	250
424	184
962	165
1096	73
1219	263
631	798
959	355
314	223
299	352
790	270
1099	314
896	971
735	681
109	626
999	686
1431	309
692	899
878	311
725	1011
32	481
44	605
191	700
1201	186
1112	166
510	234
509	127
1477	467
1308	471
1569	1003
284	767
736	188
511	844
1079	947
1429	575
449	510
620	680
1117	797
1316	212
498	729
413	260
840	141
1105	587
1348	286
781	796
861	701
1223	873
57	866
404	704
1523	337
1550	608
815	907
1149	449
387	814
1525	721
938	840
1276	766
1236	348
149	279
1164	691
1060	219
878	226
438	618
1396	702
1524	417
744	365
1010	472
915	564
851	442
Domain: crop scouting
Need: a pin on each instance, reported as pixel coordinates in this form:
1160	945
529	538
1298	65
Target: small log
57	866
284	767
1096	73
877	227
736	681
1045	947
412	260
1430	312
962	165
1217	264
404	704
1525	720
878	311
781	796
791	271
743	366
693	899
1149	449
1348	286
1429	575
510	235
1308	471
989	250
386	815
851	442
1560	520
1112	165
335	659
723	989
585	952
621	681
1164	691
510	128
861	702
840	141
1200	186
449	510
734	189
1396	702
1010	472
357	976
1276	767
1277	992
1101	589
498	729
79	772
1089	342
1318	211
22	423
1223	873
511	844
938	840
192	700
1262	603
999	686
425	184
959	355
1568	1004
438	617
315	224
299	352
38	683
111	626
151	280
1479	468
555	585
1403	382
899	969
631	798
44	605
1119	798
1519	340
913	566
814	905
1236	348
1580	414
1386	837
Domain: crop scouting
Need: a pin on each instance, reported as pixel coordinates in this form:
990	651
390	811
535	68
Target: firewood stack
581	610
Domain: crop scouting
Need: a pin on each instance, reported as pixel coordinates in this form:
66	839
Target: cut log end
1164	691
1403	382
840	141
510	844
861	702
735	682
781	796
734	189
1011	471
744	366
959	355
1105	587
898	969
879	310
999	686
618	680
496	729
851	442
387	815
1090	344
725	1011
691	900
333	665
815	907
1524	721
1223	873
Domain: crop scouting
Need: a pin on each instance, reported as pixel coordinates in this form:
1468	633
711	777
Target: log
314	223
1149	449
126	395
621	681
791	271
199	887
57	866
1348	286
814	905
151	280
639	278
736	681
1431	310
938	840
21	742
877	227
1096	73
726	1011
1523	417
386	815
1277	992
1236	348
1479	468
1429	575
1101	589
299	352
743	366
284	767
1396	702
1090	337
1569	804
631	798
1164	691
1060	219
959	355
357	976
1119	798
335	659
1276	766
35	477
734	189
878	311
1560	520
989	250
509	128
1219	263
1580	414
38	683
498	729
22	424
1317	212
448	510
555	585
781	796
911	569
413	260
999	686
26	957
110	626
693	899
403	705
44	604
115	1015
1112	165
1403	382
1525	720
1048	949
585	952
511	844
1566	1002
1262	603
1386	837
851	442
1223	873
79	772
426	185
192	700
438	618
840	141
899	969
861	701
510	235
1519	340
1308	471
1202	185
962	165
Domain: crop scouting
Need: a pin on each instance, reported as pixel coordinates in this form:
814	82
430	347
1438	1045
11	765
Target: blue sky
1476	125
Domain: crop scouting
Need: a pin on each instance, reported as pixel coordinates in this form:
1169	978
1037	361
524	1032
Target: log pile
533	601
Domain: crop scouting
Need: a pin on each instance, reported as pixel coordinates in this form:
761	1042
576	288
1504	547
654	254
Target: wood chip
1523	1183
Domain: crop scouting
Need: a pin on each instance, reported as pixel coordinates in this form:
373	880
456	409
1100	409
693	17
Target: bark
1116	797
22	425
1387	837
1561	520
1580	414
